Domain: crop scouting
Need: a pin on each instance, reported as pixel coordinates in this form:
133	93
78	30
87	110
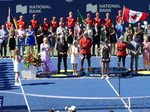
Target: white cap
73	108
145	22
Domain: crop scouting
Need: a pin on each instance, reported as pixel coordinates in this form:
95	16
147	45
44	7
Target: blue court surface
88	94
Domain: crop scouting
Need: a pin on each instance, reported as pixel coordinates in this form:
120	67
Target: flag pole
77	15
123	11
9	13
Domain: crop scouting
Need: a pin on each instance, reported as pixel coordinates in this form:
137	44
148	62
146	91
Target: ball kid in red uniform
45	26
34	23
98	20
108	21
22	22
89	20
119	17
54	23
70	21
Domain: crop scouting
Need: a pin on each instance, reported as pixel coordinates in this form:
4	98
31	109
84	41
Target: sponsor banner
60	8
31	8
110	75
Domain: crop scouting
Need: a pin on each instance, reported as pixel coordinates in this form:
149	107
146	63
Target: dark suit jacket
96	38
133	47
62	47
104	36
94	31
5	34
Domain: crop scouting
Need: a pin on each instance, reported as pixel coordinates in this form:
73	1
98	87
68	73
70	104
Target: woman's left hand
107	59
47	49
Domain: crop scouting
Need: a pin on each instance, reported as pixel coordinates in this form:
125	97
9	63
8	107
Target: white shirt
60	31
148	32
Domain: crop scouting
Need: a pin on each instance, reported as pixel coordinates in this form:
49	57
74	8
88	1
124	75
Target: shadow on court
36	84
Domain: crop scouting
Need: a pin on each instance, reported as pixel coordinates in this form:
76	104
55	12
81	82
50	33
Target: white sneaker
107	77
102	77
17	84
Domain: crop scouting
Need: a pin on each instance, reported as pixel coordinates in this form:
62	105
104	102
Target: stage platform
68	74
95	72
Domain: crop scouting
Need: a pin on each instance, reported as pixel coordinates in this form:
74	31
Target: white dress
73	58
17	66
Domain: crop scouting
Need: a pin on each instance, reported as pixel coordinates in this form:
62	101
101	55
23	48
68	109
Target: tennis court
88	94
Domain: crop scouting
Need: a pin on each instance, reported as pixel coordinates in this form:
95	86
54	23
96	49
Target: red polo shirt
70	22
45	26
89	22
118	18
85	42
34	23
9	24
54	24
23	23
98	21
107	22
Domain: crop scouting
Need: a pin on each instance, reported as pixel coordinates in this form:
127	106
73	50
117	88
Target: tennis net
45	102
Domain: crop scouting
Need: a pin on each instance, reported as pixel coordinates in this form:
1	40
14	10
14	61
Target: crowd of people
71	39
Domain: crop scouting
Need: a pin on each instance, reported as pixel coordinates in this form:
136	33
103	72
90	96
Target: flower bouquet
32	58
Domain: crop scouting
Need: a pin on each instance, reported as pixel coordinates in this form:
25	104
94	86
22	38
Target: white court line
25	98
126	106
23	94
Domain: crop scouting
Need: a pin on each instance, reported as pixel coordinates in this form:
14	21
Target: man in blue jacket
3	41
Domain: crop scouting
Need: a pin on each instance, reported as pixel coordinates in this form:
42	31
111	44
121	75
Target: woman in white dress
17	66
74	56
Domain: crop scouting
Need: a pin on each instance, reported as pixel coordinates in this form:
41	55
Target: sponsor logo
31	8
95	75
69	0
102	7
21	9
92	8
38	8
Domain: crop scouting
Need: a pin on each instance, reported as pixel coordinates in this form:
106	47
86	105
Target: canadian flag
133	16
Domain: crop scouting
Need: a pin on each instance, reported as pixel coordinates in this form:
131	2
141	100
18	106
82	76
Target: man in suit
96	37
4	41
139	35
62	48
134	48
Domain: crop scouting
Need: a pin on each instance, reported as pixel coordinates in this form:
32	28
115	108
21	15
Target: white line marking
24	97
126	106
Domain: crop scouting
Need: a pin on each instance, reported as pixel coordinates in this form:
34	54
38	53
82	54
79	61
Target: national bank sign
31	8
102	7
